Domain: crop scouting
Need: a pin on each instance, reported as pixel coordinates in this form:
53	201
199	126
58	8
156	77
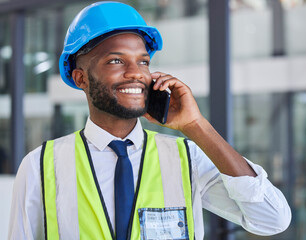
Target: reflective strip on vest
170	171
49	192
163	181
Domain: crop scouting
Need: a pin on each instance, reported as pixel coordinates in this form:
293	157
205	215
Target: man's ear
80	78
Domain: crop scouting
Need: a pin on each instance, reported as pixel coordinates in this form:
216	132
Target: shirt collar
101	138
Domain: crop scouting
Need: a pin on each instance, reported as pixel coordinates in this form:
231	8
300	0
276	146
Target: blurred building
268	82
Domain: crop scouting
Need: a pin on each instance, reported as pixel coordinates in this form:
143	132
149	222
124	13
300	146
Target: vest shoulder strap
54	164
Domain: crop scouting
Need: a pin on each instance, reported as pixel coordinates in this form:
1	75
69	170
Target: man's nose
133	71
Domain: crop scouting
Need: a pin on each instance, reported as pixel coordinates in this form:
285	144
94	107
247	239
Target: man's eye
147	63
115	61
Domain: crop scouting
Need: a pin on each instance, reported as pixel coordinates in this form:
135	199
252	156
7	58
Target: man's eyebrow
115	53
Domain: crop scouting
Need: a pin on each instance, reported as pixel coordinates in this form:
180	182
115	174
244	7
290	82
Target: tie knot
120	147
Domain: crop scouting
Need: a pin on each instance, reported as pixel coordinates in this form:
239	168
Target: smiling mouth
130	90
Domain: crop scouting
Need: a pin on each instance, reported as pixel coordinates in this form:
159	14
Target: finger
156	75
160	82
170	83
164	81
159	79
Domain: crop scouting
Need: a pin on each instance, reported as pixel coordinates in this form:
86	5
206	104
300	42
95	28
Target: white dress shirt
252	202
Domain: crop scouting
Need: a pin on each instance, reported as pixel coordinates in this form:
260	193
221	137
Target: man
76	188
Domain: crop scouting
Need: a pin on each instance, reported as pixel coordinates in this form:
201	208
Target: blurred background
264	67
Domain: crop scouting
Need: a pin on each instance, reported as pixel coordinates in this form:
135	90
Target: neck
118	127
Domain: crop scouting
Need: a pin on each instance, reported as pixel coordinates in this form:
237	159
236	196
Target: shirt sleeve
252	202
26	218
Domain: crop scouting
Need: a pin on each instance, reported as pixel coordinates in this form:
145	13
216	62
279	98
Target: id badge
163	223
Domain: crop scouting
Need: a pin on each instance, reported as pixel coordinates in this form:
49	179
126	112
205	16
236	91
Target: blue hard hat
98	20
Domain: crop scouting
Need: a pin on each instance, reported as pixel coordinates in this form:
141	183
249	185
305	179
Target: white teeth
130	90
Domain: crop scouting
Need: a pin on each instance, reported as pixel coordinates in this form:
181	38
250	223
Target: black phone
158	103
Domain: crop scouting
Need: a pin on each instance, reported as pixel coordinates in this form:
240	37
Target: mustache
116	85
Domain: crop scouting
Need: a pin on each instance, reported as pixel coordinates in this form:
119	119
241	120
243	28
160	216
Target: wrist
195	127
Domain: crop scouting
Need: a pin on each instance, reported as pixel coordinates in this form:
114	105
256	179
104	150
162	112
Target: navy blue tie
124	188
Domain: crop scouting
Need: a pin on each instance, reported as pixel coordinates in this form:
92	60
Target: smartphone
158	103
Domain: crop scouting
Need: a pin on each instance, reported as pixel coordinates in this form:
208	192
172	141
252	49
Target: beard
103	100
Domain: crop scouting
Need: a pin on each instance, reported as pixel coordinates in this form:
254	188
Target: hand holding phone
158	103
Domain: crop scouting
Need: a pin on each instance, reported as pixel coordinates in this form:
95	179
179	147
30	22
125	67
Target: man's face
119	76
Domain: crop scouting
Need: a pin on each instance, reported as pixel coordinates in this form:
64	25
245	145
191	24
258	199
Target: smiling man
115	180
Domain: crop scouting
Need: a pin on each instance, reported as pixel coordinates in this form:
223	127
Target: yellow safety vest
73	204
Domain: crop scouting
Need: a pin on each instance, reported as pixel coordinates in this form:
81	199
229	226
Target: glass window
295	31
251	29
5	54
299	153
5	115
270	130
70	11
40	49
269	124
161	9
